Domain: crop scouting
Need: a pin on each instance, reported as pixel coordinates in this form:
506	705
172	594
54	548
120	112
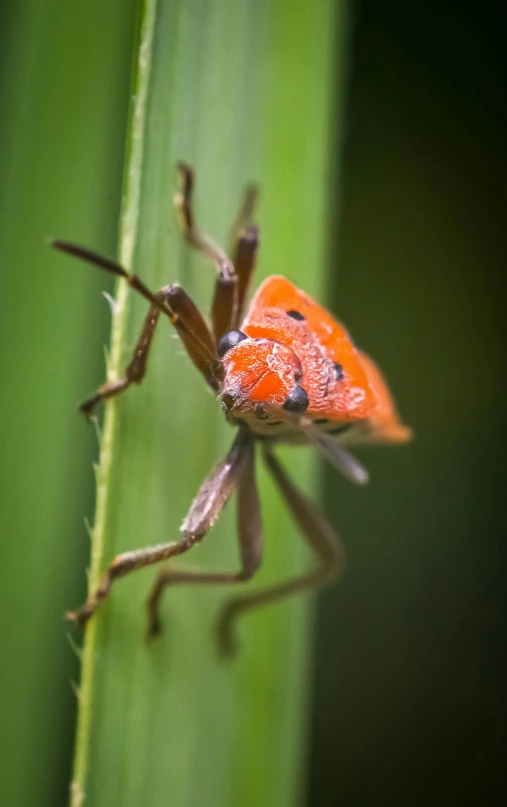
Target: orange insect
289	373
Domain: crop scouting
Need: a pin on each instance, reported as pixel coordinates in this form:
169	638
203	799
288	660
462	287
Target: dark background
410	703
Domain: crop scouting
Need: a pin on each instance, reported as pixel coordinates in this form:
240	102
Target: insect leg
322	539
224	306
206	507
246	245
250	541
135	370
181	311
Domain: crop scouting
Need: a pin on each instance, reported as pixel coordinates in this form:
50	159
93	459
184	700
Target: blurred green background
64	91
409	689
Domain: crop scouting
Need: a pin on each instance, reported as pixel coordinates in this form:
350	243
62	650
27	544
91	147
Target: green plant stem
129	221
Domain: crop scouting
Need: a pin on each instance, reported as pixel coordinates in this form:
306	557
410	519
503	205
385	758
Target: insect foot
81	616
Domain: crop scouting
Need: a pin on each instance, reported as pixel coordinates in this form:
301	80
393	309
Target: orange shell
323	346
384	424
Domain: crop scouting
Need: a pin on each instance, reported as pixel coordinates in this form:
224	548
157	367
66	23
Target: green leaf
243	91
62	126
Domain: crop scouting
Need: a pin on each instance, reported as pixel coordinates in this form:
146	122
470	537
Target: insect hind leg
250	542
206	508
322	539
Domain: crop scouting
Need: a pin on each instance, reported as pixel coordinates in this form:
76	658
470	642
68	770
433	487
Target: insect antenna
110	266
333	452
180	318
337	455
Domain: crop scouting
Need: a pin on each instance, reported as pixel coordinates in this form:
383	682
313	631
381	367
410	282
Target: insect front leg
135	370
174	303
250	542
322	539
206	508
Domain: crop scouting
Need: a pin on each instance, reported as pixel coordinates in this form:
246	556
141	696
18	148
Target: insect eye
296	315
338	371
297	400
229	339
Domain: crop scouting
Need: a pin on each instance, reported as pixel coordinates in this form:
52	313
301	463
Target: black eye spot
297	400
295	315
338	372
229	339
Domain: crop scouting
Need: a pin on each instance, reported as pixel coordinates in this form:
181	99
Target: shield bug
287	372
